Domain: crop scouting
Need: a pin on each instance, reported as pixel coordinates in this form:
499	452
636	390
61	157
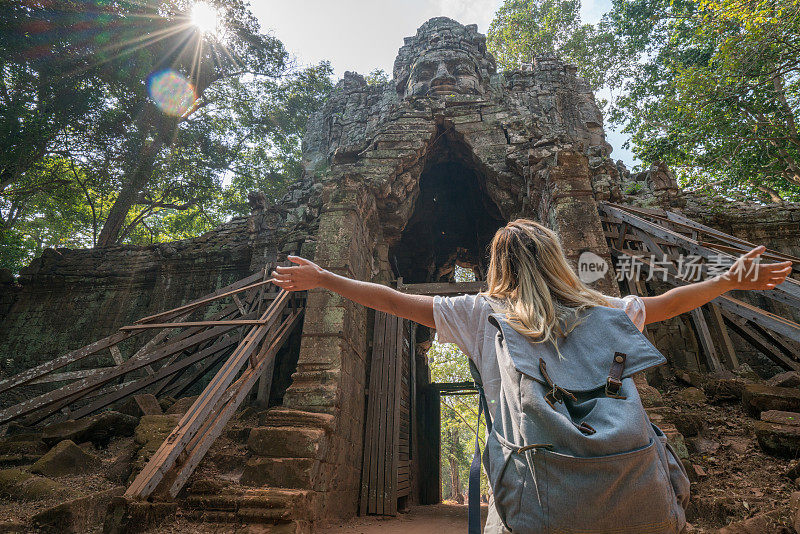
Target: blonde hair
537	288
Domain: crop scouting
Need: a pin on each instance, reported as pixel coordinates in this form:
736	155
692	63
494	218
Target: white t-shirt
463	320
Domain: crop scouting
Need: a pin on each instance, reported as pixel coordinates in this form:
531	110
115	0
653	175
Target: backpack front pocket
624	493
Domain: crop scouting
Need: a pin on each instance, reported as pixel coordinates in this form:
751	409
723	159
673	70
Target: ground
438	518
733	479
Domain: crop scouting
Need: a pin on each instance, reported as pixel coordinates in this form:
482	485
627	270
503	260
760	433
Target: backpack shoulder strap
474	488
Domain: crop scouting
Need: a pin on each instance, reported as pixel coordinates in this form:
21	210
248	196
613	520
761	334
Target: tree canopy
708	86
126	122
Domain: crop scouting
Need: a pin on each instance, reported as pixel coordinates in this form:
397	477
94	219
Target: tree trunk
139	177
455	480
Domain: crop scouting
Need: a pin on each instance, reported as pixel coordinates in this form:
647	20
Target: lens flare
171	92
205	17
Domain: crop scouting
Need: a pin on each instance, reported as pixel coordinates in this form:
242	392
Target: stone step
280	472
220	521
287	417
288	442
251	505
782	418
757	398
778	439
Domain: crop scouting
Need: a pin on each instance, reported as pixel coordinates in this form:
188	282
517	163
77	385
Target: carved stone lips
444	89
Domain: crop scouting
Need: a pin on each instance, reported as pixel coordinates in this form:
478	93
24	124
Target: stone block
181	406
148	404
19	485
758	398
99	429
725	389
65	458
297	473
777	439
691	397
789	379
288	442
77	515
128	517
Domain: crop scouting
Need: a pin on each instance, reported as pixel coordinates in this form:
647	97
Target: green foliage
459	414
712	88
633	187
525	29
86	158
271	125
377	77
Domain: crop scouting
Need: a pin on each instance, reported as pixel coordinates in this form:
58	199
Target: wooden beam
235	322
443	288
738	243
42	401
726	347
766	319
787	292
164	372
740	326
164	458
236	393
62	361
704	335
237	287
69	375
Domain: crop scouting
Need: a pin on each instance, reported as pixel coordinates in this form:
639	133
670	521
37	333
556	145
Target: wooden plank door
385	473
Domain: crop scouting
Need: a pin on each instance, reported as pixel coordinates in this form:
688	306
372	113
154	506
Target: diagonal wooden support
738	308
165	457
787	292
102	377
236	394
62	361
164	372
752	336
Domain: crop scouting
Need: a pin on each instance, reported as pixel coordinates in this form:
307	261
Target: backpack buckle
614	380
612	387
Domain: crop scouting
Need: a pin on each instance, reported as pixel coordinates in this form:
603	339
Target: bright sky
362	35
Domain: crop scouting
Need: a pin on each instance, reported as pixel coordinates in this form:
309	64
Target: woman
531	282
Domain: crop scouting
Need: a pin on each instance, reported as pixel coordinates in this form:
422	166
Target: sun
205	17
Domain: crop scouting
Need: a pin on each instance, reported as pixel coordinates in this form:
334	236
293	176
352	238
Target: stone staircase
265	470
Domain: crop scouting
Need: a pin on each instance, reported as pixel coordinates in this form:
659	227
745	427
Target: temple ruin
403	181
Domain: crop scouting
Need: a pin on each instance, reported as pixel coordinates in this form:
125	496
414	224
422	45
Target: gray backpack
571	449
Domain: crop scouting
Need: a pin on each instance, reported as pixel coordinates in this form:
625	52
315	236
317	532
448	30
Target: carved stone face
444	72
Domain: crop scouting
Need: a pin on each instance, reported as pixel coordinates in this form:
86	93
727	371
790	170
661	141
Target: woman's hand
308	275
305	275
748	273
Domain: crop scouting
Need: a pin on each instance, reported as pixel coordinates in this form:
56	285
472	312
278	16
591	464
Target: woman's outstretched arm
745	273
308	275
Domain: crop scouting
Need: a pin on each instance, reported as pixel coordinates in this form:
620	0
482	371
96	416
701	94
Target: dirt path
437	518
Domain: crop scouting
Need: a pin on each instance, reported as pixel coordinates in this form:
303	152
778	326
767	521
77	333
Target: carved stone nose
442	76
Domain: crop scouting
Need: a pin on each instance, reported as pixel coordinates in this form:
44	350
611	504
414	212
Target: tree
524	29
209	67
80	119
711	87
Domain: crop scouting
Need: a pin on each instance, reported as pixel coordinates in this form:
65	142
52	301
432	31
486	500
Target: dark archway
453	220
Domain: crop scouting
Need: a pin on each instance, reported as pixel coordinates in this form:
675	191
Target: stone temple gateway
403	181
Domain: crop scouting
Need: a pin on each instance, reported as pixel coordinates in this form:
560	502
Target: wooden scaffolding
659	241
242	326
